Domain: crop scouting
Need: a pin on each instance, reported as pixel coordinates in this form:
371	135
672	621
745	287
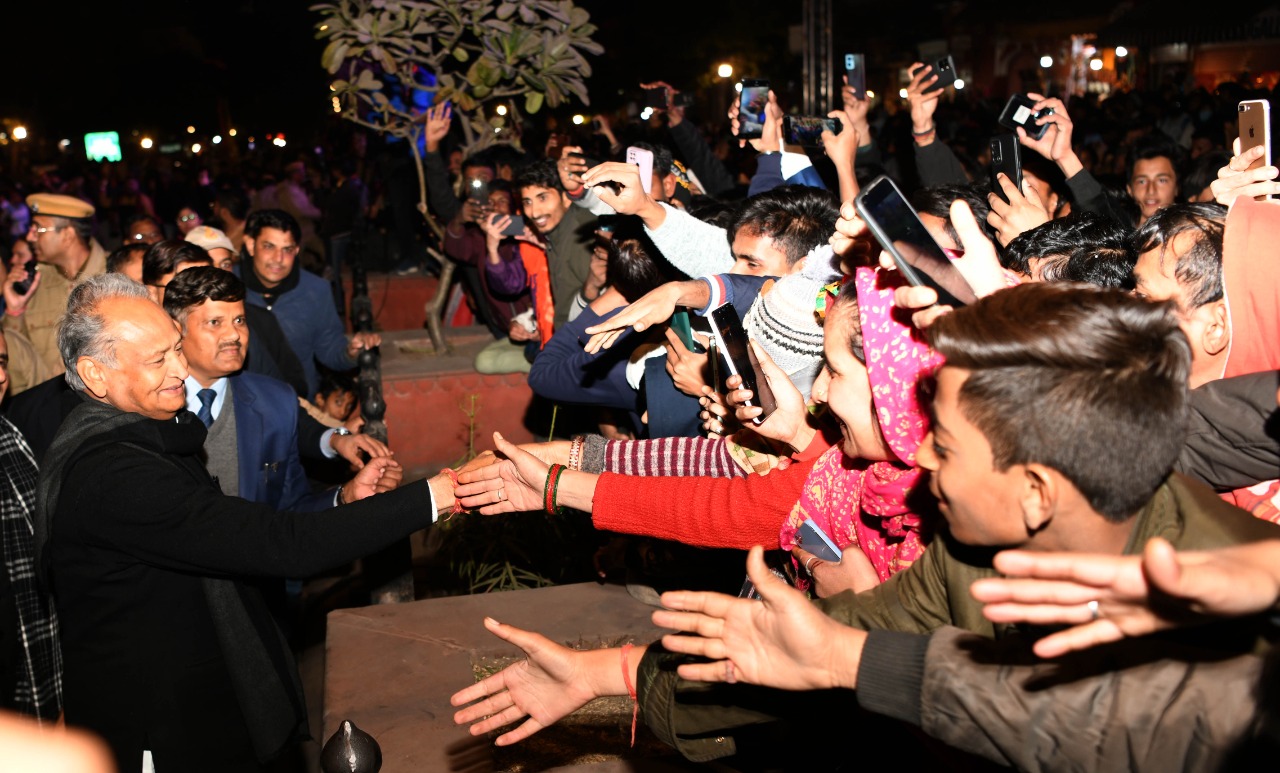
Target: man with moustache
253	447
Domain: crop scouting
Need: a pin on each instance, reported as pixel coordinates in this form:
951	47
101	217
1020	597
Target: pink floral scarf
860	503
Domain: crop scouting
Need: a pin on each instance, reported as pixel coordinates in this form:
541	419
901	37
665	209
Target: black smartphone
21	287
658	98
731	340
751	105
1006	157
515	227
478	189
898	229
807	129
1020	110
945	68
855	73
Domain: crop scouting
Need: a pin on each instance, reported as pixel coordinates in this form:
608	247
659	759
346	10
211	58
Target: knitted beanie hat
783	321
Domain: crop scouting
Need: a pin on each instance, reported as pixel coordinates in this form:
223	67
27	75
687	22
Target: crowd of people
1052	510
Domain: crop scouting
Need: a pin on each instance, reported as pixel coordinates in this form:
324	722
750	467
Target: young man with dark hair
568	232
164	260
1152	172
301	301
1058	418
1073	248
231	207
127	260
144	229
1179	259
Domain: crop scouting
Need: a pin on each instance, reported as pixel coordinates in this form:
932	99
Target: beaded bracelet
575	453
551	488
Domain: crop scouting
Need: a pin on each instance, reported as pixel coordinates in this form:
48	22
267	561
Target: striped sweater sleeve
671	456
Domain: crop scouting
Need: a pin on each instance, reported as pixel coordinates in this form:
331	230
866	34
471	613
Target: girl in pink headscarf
857	492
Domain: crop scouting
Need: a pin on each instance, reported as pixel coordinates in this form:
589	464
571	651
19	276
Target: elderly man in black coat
169	654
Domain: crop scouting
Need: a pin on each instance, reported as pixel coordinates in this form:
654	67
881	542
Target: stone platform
391	669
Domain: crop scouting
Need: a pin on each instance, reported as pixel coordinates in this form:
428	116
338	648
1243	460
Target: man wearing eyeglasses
61	238
300	301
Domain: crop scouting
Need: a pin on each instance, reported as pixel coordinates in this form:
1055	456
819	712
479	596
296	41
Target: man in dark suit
253	448
170	654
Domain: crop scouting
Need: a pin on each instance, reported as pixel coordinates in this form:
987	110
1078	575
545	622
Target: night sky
156	66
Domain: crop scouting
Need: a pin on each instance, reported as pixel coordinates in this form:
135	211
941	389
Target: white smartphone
1254	126
643	159
813	539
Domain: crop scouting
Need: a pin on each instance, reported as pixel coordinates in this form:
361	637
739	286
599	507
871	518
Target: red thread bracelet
452	474
631	691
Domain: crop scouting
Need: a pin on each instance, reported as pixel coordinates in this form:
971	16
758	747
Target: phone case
684	329
1254	127
855	73
643	159
946	70
884	189
1020	111
813	539
1006	156
731	342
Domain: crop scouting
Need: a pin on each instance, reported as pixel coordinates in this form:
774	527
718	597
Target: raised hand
686	368
656	306
435	124
1132	595
789	421
571	166
16	302
350	447
780	641
979	266
1023	211
1055	145
550	684
1234	179
922	105
618	185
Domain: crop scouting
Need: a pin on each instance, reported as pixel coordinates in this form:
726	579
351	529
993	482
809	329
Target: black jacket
137	528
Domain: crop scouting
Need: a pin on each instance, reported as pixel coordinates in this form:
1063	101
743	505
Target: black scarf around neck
258	658
269	294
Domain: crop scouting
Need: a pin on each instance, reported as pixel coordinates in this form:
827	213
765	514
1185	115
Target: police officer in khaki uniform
61	239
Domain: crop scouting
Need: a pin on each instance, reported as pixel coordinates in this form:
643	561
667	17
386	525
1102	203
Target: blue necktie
205	414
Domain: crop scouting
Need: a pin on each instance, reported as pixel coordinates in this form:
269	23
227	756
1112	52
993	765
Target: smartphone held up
751	107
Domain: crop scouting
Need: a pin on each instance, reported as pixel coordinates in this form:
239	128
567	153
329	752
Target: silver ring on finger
808	564
1094	613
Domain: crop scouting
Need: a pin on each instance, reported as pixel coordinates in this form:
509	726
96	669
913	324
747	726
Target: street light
195	147
725	70
1046	61
1095	64
500	110
146	143
959	84
217	139
1122	52
191	130
19	132
579	119
232	132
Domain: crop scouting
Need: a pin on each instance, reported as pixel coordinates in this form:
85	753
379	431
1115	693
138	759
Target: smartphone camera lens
1241	108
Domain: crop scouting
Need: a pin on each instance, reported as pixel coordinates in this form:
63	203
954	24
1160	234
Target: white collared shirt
193	400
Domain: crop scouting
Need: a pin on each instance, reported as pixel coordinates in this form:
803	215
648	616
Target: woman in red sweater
870	386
